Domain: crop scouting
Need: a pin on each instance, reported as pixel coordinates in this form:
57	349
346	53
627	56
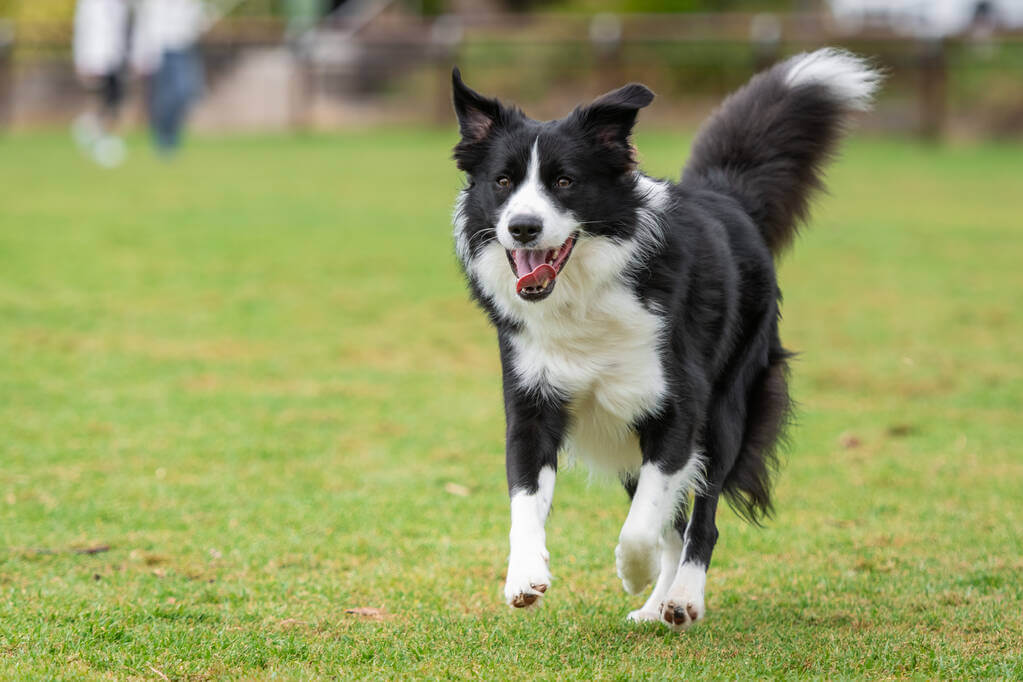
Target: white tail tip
848	76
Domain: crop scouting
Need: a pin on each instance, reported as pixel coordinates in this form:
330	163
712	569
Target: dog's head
538	191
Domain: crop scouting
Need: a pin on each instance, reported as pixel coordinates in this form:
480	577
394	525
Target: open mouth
537	269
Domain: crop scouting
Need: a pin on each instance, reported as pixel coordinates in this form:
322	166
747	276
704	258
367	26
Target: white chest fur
591	341
603	355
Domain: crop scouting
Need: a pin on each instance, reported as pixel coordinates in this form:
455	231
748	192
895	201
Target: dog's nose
524	228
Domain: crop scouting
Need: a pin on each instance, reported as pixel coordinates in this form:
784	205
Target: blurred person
165	50
158	38
100	48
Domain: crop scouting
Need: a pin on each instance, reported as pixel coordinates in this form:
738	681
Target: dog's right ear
477	115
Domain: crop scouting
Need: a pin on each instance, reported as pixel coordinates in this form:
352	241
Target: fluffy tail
767	143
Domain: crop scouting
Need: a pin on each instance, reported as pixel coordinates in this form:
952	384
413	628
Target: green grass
253	372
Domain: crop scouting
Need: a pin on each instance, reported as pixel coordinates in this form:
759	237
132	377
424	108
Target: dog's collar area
537	270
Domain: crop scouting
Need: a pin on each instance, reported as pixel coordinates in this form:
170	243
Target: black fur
710	277
766	146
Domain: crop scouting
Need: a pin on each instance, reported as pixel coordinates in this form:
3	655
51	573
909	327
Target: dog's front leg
668	471
534	434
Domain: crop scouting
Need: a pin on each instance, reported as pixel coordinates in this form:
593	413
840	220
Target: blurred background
250	422
273	65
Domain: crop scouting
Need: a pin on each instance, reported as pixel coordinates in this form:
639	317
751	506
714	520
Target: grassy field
245	391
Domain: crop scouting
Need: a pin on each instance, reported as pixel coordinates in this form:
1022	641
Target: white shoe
86	129
109	151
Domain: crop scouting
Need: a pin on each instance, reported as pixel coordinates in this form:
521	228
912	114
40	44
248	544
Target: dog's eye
503	181
564	181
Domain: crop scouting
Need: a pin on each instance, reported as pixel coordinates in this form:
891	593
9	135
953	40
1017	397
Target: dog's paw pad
528	597
680	616
528	580
522	600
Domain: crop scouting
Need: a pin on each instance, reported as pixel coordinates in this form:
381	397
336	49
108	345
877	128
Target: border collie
637	318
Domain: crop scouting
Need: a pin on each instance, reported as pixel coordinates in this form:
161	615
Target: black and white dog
637	318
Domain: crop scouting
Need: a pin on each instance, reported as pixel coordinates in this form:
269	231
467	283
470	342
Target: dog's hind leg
683	602
743	427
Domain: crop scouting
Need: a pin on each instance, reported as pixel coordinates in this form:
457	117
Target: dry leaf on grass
158	672
900	430
97	549
289	622
849	441
456	489
370	612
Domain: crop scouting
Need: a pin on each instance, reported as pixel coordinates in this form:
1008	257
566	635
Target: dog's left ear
610	118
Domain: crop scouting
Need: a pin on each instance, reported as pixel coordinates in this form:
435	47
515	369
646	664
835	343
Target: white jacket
101	41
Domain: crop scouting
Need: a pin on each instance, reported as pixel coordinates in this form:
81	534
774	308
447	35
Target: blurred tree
433	7
63	10
303	14
653	6
38	10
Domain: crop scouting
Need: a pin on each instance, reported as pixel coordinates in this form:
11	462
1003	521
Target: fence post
933	88
302	91
765	31
6	74
606	40
446	35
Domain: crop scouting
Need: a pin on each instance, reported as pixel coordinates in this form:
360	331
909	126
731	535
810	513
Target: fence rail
349	58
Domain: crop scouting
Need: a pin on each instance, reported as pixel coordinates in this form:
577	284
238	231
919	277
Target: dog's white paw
637	561
528	579
683	606
643	616
682	614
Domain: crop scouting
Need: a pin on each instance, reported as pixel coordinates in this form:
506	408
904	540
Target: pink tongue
532	269
538	277
528	261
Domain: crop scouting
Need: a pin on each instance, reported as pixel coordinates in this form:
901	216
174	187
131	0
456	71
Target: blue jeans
175	86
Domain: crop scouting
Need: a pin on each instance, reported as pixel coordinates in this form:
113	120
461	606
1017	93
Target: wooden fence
539	55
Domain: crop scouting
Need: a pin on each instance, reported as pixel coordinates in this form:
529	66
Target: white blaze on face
533	199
